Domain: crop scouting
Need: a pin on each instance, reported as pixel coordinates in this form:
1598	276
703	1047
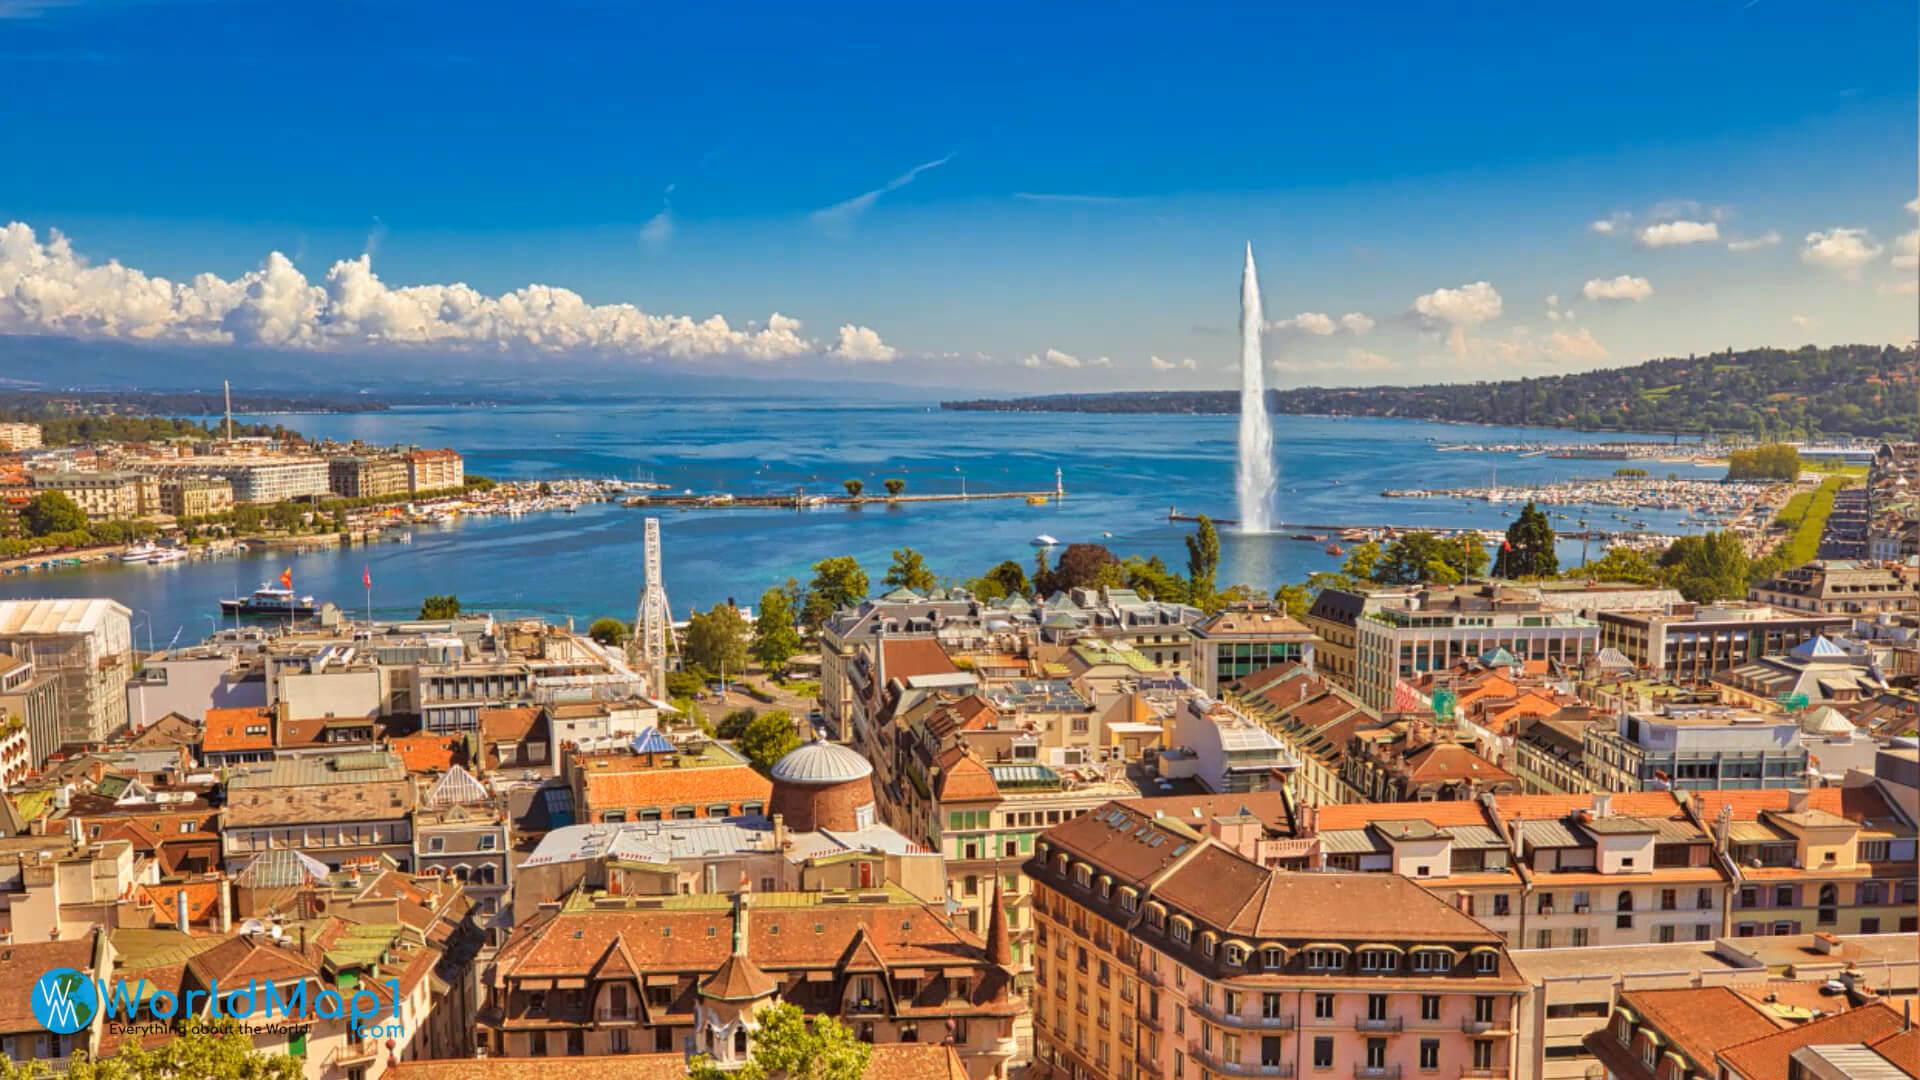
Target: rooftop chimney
1602	803
1797	800
180	912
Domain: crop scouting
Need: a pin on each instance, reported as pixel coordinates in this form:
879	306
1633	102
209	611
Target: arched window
1625	903
740	1042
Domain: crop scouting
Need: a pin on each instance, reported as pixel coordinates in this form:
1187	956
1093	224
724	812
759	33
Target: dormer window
1206	944
1270	957
1156	918
1106	887
1082	875
1182	932
1326	959
1128	900
1486	963
1235	955
1378	960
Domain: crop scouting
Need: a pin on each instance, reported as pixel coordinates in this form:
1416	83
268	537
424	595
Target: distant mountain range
390	376
1855	390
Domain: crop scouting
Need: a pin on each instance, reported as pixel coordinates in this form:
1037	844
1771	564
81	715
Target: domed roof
820	762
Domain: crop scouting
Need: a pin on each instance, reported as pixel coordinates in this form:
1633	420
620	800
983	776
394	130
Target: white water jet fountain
1255	479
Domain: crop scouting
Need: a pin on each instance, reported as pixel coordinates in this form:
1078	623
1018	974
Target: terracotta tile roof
1903	1049
907	657
1700	1020
16	994
1269	806
376	800
240	958
780	937
429	753
668	788
1452	761
516	722
1360	815
226	730
1648	804
889	1061
963	778
203	901
1766	1057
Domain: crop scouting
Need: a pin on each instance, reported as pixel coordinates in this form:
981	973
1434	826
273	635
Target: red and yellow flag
286	578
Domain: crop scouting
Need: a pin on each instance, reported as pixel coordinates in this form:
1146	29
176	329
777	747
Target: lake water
1122	473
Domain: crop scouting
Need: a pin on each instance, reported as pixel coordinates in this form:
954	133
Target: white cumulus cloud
1754	243
1185	363
1841	249
1356	323
861	345
1468	305
1676	233
1459	309
1311	322
1052	358
1805	322
47	288
1624	287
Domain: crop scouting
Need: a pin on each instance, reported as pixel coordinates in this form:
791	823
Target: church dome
820	762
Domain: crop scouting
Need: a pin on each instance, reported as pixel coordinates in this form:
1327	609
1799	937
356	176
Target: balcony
616	1016
1490	1072
1480	1027
1149	1021
1380	1023
1151	978
1213	1062
1376	1072
1241	1020
865	1007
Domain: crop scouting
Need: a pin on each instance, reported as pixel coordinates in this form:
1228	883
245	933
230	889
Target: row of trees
1774	461
1761	393
51	520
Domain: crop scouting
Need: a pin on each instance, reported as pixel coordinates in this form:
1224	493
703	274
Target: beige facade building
195	496
434	470
105	496
364	476
19	436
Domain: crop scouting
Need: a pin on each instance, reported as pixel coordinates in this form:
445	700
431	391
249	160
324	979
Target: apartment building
1552	871
17	436
1165	953
86	646
434	470
264	479
1436	628
1834	859
1314	717
1334	619
23	1038
1547	751
338	810
195	496
695	780
358	476
1690	642
618	975
1235	643
104	496
1694	747
1838	587
32	698
1719	1033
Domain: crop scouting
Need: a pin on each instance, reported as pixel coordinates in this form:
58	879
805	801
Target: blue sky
1753	161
